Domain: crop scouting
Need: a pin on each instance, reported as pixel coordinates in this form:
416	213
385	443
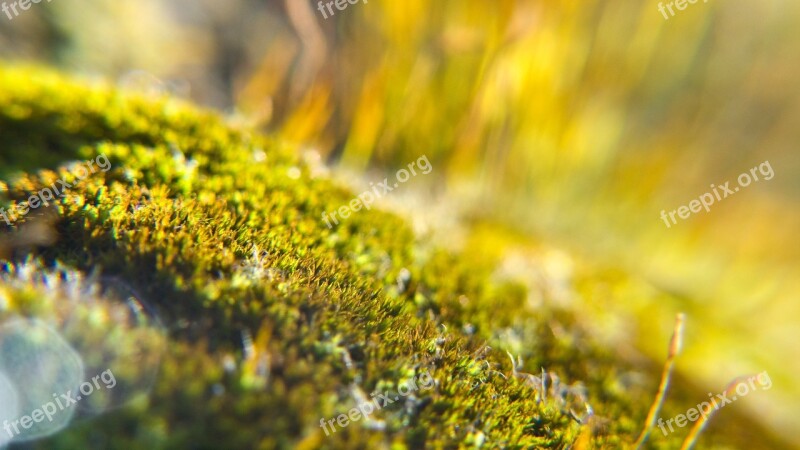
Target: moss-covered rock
274	320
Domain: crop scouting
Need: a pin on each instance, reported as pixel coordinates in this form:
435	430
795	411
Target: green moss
225	242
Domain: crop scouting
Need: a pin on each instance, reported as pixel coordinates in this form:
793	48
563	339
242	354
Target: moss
219	228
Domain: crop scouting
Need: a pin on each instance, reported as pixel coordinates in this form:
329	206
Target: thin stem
674	348
698	427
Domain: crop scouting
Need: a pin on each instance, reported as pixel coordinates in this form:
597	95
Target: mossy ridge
186	202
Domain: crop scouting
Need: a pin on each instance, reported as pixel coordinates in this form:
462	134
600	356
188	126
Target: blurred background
565	127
